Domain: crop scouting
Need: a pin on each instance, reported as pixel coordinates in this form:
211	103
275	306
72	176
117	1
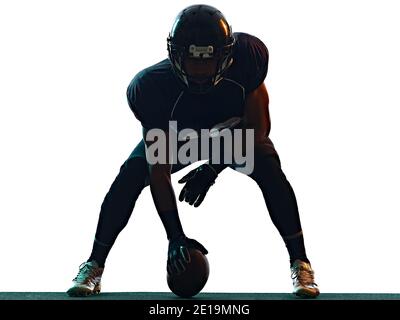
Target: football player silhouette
212	78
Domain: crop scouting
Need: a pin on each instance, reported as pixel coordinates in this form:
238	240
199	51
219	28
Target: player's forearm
162	190
165	202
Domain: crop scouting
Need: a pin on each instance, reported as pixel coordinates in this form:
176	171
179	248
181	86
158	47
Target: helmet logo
201	52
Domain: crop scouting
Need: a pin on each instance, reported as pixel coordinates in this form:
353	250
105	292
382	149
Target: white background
66	128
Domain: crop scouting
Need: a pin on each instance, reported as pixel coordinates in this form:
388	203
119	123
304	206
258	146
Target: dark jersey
156	96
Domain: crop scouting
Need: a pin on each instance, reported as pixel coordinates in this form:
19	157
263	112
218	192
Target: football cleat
87	282
303	280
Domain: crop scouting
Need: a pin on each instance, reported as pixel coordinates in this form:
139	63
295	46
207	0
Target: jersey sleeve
254	56
146	103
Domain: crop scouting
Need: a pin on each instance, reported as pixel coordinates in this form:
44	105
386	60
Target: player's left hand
198	181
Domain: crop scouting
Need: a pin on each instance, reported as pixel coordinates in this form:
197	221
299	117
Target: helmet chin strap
182	73
225	65
200	53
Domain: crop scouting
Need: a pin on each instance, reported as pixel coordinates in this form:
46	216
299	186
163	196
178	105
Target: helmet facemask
179	54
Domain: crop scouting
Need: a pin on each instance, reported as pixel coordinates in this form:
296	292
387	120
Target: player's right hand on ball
178	253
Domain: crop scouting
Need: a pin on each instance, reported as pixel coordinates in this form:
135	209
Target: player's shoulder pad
252	58
145	99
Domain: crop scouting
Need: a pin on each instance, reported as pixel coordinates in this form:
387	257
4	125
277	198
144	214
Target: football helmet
200	32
